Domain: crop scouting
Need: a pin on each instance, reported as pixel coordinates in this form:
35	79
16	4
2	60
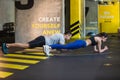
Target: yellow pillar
76	18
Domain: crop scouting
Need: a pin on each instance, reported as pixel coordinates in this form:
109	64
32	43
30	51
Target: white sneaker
47	50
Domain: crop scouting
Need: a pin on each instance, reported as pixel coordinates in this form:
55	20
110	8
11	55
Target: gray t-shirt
55	39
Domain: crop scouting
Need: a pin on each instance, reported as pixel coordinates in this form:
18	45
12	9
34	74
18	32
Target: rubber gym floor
80	64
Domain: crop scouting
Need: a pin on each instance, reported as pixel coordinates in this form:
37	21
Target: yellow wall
108	18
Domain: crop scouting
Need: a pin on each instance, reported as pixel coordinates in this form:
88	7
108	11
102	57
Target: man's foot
4	48
46	50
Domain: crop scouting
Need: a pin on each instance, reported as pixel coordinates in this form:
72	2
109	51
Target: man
57	38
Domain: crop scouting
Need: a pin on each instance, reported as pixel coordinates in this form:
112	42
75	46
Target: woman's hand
95	49
106	48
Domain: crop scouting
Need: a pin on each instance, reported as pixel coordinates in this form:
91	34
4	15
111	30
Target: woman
95	41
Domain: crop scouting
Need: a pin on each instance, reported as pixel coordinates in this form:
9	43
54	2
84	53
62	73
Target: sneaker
47	50
4	48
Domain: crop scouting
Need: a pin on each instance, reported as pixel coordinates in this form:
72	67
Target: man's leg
38	42
21	45
6	46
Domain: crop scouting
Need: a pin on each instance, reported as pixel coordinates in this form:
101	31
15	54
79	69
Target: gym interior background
79	16
23	20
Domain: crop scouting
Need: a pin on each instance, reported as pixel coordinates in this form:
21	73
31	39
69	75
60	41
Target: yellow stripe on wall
26	56
5	74
19	60
13	66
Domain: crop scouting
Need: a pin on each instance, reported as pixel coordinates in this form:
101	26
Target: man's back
57	38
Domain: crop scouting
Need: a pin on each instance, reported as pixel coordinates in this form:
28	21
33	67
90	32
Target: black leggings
37	42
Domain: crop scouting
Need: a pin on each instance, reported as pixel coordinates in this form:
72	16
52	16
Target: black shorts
37	42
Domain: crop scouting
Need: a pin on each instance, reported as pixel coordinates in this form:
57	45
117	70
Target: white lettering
107	17
49	19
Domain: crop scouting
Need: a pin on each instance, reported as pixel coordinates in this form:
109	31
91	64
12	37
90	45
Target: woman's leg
73	45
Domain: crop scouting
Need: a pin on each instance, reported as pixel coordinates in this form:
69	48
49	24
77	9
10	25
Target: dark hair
102	34
68	32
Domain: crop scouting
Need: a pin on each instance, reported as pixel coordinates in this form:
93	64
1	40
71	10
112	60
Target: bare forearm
104	49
